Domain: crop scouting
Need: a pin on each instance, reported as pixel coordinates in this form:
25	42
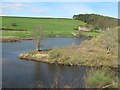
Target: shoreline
18	38
43	56
14	38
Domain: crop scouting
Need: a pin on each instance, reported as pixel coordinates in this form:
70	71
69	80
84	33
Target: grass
53	26
100	51
94	34
49	24
15	33
61	26
101	78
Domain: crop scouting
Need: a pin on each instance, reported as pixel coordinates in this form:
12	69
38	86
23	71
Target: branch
109	85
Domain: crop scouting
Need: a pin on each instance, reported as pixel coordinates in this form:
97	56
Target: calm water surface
18	73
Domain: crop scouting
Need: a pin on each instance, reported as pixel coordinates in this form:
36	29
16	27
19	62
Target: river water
18	73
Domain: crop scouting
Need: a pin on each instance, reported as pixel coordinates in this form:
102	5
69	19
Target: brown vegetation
100	51
13	38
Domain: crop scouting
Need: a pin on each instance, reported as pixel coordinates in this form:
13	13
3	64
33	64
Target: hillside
51	25
97	21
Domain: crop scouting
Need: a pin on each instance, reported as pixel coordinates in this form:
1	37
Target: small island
95	52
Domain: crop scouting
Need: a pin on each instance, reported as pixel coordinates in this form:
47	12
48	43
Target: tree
102	22
38	34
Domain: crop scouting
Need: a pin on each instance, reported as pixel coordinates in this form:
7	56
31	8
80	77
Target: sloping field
58	26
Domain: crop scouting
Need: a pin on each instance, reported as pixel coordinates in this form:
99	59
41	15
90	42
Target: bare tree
38	34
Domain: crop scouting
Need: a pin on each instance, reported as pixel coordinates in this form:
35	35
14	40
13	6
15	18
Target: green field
53	26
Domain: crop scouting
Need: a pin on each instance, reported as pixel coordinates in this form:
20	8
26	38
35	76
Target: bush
14	24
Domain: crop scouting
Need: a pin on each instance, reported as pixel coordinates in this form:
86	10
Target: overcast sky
58	9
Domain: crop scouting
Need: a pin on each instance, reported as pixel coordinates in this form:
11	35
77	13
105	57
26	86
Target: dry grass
36	56
100	51
101	78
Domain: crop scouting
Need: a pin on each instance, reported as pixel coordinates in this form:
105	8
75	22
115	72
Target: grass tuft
100	78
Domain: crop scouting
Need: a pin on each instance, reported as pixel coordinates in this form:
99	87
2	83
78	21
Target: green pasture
53	26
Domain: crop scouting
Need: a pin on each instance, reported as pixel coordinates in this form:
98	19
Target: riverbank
14	38
54	27
46	57
100	51
36	56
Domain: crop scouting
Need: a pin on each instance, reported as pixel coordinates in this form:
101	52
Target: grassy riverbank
100	51
14	38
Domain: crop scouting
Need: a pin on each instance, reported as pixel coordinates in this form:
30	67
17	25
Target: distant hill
54	26
30	23
97	21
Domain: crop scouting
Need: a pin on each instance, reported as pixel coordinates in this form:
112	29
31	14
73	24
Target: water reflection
37	71
19	73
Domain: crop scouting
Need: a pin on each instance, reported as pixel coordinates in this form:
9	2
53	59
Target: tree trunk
38	44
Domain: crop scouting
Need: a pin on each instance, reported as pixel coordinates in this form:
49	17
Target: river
18	73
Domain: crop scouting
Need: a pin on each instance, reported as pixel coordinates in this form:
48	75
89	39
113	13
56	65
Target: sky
61	0
58	9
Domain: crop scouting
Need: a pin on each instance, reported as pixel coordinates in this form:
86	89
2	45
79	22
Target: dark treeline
97	21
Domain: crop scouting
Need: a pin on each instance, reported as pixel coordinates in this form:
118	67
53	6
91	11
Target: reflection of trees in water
58	76
37	71
36	84
37	76
67	76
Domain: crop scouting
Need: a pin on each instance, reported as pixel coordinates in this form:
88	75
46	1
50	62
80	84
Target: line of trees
97	21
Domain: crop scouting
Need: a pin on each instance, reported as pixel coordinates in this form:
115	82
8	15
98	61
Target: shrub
14	24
